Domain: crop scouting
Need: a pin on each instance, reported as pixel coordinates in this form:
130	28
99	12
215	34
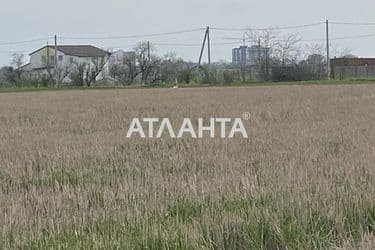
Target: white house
43	59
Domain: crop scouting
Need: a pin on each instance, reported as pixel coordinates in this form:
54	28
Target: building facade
252	63
344	68
249	56
47	58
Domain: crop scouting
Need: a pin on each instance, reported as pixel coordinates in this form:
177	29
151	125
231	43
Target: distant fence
343	68
345	72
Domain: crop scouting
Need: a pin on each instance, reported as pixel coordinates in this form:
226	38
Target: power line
133	36
271	28
315	40
13	51
215	44
202	29
275	40
9	53
191	44
23	42
353	24
353	37
178	44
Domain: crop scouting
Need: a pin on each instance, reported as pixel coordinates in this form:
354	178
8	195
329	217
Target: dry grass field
305	177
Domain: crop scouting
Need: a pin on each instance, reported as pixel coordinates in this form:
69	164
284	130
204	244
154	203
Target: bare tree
118	71
283	49
85	72
77	75
94	69
130	61
168	68
171	67
267	37
125	70
17	62
63	71
338	51
144	62
7	75
267	42
154	69
315	61
287	50
314	48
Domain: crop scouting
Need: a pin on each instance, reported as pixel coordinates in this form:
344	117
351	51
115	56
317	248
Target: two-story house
45	59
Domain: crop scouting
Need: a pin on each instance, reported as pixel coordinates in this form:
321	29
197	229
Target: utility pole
48	62
56	68
260	72
202	50
208	45
328	56
267	67
148	51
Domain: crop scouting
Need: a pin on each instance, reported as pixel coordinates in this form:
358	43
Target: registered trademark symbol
246	116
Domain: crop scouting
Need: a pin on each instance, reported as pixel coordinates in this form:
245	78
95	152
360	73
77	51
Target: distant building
249	56
343	68
252	63
44	59
119	56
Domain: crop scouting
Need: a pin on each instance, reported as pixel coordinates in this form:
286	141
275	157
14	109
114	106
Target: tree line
285	60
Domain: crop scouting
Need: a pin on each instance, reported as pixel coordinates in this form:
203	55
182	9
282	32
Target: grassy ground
70	179
21	88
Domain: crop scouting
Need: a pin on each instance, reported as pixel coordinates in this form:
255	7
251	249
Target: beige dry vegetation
69	177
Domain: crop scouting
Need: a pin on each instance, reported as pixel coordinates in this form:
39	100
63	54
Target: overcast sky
28	20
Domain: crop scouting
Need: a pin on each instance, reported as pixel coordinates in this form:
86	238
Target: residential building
45	59
251	62
248	56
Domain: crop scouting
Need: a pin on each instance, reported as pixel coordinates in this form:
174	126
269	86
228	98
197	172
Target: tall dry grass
69	177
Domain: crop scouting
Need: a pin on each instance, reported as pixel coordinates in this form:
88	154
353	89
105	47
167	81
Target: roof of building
78	50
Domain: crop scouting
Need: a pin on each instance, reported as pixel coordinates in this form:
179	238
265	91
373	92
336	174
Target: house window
44	59
71	59
52	58
61	58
